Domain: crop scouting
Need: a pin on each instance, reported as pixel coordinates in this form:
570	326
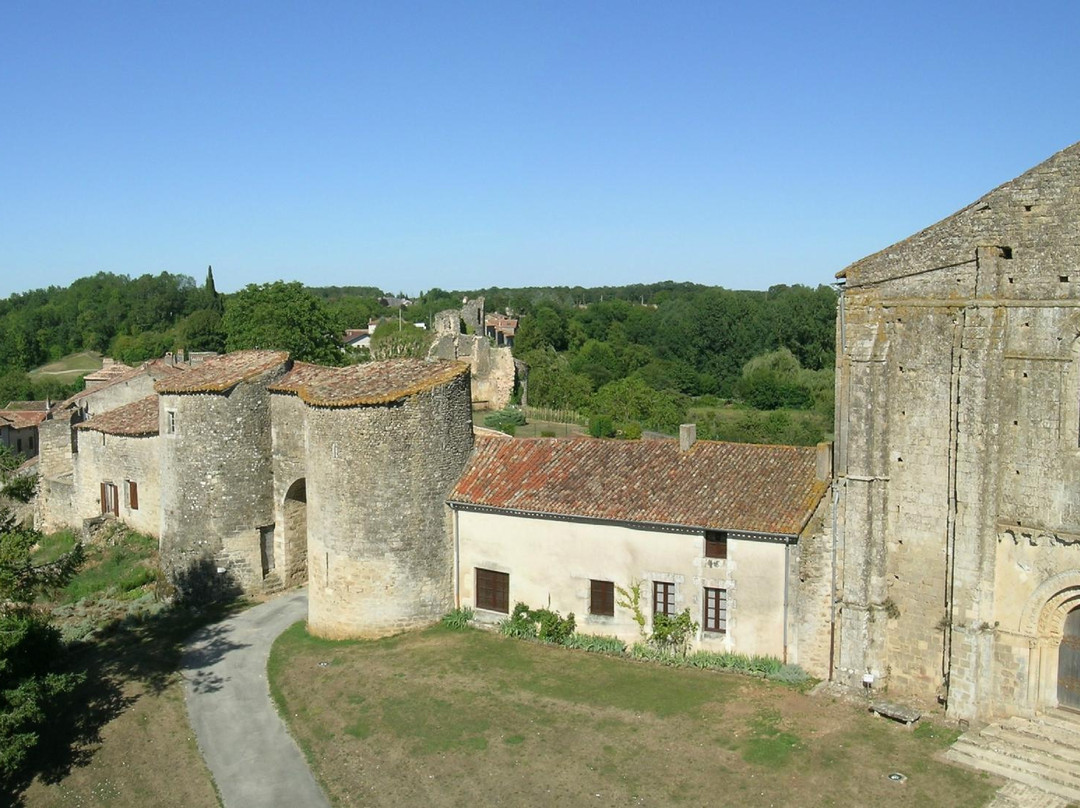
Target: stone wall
957	433
56	484
380	554
287	417
119	460
492	368
217	479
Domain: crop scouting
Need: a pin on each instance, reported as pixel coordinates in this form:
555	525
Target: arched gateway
1052	620
1068	678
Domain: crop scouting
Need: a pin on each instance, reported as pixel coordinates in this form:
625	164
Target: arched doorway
1068	678
295	541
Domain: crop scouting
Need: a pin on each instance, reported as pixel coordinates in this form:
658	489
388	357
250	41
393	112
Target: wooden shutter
133	495
104	501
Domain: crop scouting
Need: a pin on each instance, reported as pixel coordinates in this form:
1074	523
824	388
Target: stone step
1032	743
1056	781
1050	727
1019	795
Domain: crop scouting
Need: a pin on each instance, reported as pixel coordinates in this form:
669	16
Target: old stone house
958	455
701	525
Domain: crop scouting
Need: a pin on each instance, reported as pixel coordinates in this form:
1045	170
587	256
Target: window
170	422
492	590
133	495
663	598
110	502
19	441
715	544
602	598
715	617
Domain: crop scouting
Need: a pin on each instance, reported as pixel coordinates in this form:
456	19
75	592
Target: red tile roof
218	373
367	383
136	419
713	485
41	406
21	419
155	368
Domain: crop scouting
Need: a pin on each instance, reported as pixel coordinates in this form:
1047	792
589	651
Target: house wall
118	459
22	441
957	451
552	562
217	484
99	400
380	556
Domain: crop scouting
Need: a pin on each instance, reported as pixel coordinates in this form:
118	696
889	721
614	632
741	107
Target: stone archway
294	569
1044	620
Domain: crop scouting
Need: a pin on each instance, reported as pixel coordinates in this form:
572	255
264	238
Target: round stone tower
385	443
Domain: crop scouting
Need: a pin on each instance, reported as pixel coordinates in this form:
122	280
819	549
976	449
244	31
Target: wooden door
1069	663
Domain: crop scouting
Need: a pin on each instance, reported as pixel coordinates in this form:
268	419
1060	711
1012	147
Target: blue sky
408	145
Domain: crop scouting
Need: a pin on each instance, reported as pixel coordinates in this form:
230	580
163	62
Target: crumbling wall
492	369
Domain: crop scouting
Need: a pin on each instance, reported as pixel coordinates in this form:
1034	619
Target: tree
394	340
34	690
285	317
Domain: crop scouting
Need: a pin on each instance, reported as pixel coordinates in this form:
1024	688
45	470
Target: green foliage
601	426
630	431
394	339
794	428
519	624
33	690
282	316
542	624
505	420
631	399
596	643
458	619
671	634
115	570
630	598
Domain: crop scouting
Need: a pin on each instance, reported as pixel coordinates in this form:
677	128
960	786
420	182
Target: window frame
601	598
716	544
667	600
132	495
492	590
714	599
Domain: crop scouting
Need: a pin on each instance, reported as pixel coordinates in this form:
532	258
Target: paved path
254	760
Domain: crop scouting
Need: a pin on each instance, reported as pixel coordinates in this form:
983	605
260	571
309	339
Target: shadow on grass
139	654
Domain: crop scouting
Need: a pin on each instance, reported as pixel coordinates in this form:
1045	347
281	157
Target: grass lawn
533	429
440	718
69	368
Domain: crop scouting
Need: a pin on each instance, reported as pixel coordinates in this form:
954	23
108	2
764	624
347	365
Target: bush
598	644
547	433
519	624
601	426
458	619
630	431
671	634
505	420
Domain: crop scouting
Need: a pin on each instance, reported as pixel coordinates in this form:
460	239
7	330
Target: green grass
119	570
487	718
52	546
69	368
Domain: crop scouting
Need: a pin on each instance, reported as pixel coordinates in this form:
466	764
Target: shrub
598	644
671	634
553	627
601	426
519	624
505	420
630	431
458	619
547	433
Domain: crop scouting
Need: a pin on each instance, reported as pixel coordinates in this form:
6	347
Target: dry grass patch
443	718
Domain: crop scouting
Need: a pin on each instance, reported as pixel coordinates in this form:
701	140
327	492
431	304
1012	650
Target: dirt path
253	758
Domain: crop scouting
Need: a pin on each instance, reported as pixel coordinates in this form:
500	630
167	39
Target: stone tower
384	442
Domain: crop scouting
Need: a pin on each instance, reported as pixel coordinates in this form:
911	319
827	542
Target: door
1069	663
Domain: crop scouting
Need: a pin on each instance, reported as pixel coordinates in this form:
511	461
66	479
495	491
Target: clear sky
408	145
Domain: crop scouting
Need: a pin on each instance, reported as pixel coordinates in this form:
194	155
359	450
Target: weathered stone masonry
958	451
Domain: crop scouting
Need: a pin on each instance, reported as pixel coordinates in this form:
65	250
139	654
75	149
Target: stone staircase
1040	756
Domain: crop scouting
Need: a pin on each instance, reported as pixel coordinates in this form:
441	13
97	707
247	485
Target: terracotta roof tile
713	485
367	383
21	419
135	419
41	406
218	373
155	368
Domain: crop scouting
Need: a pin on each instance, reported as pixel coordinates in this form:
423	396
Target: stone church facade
957	452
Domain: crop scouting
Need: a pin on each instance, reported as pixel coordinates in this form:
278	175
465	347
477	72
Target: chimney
687	436
824	461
